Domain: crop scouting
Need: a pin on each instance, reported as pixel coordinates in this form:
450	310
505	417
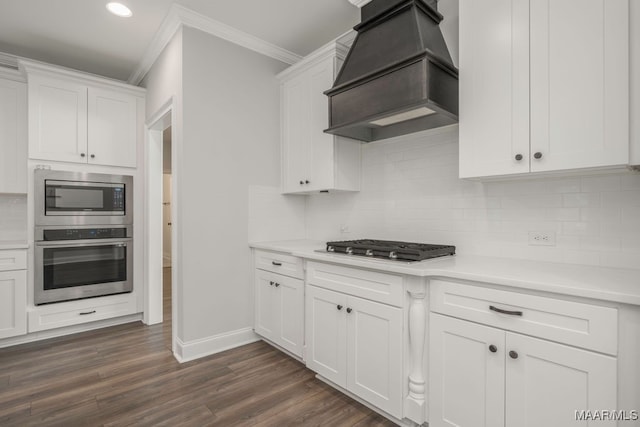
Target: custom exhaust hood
398	77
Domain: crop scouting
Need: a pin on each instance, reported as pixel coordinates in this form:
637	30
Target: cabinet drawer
582	325
13	259
372	285
279	263
78	312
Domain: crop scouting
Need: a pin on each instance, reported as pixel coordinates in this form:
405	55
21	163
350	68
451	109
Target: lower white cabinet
279	310
51	316
13	303
13	292
356	344
484	376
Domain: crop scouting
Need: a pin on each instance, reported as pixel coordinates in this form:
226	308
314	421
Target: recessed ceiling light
119	9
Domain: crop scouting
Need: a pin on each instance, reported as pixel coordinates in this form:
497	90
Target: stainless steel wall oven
83	235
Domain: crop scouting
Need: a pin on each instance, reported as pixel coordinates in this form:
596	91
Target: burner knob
369	252
331	249
349	250
393	255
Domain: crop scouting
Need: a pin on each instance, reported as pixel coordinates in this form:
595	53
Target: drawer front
582	325
279	263
372	285
78	312
13	259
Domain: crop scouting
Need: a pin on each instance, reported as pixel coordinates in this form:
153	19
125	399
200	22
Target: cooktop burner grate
405	251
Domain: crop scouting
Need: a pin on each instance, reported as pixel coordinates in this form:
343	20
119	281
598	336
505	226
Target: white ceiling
81	34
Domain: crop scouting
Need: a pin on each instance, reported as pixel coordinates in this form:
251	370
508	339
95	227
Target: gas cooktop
401	251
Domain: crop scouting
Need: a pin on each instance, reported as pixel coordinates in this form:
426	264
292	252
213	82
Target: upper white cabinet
311	159
82	121
13	134
544	86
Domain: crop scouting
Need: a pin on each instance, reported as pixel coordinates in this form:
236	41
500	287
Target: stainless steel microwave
78	198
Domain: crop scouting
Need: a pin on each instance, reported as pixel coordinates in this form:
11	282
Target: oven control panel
84	233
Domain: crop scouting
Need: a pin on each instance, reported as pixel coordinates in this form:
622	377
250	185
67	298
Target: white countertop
13	244
602	283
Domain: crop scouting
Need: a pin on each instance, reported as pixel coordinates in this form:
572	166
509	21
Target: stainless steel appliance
82	262
386	249
76	198
83	235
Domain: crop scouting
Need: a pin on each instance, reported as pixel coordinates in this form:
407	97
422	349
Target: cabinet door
57	120
321	163
547	383
13	137
13	303
267	305
466	385
296	129
290	295
374	354
579	83
494	87
112	128
326	334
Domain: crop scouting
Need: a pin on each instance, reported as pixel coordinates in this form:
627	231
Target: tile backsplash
13	217
411	191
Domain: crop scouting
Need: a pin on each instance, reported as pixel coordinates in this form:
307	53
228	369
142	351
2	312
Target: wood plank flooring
126	376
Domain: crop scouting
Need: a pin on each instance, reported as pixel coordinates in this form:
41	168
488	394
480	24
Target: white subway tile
581	200
592	184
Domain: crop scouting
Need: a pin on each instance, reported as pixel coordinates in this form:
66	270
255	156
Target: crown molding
359	3
10	61
179	16
30	67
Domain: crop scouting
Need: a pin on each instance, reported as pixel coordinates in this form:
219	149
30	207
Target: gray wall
230	141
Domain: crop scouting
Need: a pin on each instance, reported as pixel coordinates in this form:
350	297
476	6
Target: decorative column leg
416	405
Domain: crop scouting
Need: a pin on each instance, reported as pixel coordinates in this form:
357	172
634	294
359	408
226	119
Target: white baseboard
191	350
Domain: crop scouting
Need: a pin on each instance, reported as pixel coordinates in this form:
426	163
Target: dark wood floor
126	375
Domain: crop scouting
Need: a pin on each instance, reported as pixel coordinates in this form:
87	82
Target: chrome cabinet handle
84	313
502	311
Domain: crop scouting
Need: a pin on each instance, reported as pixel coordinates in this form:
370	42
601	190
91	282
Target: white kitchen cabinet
81	121
311	159
544	86
13	293
279	310
279	300
504	358
13	134
483	376
466	378
356	344
547	382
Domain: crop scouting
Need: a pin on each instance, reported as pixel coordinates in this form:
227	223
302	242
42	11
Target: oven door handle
86	242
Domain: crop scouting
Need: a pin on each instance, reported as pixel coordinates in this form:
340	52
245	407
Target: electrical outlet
542	238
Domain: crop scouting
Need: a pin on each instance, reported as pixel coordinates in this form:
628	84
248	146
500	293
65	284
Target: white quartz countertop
602	283
13	244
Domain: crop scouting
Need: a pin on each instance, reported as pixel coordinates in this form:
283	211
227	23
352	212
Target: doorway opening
161	259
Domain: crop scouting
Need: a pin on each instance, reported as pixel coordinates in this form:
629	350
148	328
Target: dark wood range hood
398	77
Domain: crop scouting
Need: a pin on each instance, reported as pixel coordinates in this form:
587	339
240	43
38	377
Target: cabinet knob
493	348
93	156
270	282
339	307
306	181
301	182
82	154
349	310
513	354
277	284
518	157
537	155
